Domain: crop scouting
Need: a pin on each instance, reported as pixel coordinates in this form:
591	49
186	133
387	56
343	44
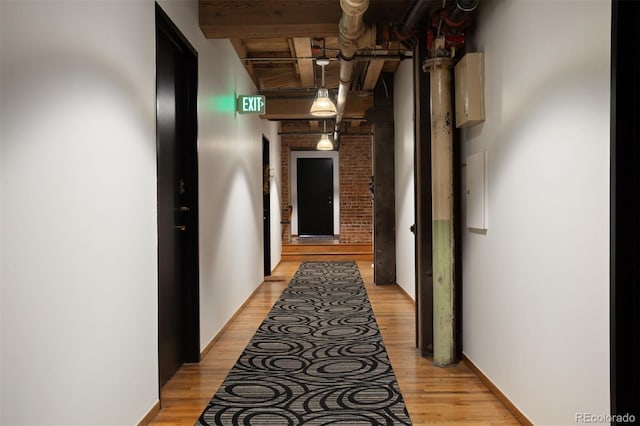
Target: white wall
536	286
78	261
1	275
403	103
78	209
230	181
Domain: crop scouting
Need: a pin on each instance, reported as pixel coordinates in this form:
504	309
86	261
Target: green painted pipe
442	196
443	298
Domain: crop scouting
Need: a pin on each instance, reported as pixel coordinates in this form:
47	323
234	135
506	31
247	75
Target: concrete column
444	353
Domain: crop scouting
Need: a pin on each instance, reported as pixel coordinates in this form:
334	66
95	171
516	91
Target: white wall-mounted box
469	85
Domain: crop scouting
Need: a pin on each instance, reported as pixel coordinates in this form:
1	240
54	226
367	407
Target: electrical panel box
469	81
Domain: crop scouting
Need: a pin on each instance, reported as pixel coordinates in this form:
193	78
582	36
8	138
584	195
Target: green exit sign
251	104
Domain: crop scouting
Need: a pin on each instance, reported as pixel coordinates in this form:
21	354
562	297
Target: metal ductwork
461	8
353	35
414	13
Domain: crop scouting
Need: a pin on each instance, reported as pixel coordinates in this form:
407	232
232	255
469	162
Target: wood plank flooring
433	396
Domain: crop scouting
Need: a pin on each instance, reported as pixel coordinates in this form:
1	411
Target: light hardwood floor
445	396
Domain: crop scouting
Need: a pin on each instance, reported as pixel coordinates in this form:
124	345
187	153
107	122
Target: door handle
184	209
181	227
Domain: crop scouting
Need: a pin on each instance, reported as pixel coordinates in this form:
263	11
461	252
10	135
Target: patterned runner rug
317	359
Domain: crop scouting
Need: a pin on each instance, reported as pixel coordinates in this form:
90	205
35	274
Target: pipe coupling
351	42
354	7
467	5
440	62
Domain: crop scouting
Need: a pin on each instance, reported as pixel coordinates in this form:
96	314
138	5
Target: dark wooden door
266	206
178	308
315	196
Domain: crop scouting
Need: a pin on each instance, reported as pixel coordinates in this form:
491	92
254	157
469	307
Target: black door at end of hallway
315	196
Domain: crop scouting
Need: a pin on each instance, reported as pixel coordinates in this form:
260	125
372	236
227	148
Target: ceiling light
324	144
322	105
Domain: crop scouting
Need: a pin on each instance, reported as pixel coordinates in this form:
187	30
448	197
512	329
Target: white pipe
346	72
351	25
353	36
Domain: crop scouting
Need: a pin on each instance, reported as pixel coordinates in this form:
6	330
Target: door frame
187	129
625	209
293	184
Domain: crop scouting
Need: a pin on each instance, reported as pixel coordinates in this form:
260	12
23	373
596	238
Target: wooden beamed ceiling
277	41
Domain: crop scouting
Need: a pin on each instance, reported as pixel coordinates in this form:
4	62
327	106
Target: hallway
543	280
432	395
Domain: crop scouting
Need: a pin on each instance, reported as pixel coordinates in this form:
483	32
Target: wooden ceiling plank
296	66
214	31
269	44
255	11
278	77
227	14
269	18
241	50
373	72
302	46
239	46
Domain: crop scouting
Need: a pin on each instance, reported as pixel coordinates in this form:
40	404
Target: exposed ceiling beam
278	40
373	72
214	31
241	50
298	108
302	46
269	18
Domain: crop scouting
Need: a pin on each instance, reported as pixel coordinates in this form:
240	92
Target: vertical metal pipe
353	34
444	353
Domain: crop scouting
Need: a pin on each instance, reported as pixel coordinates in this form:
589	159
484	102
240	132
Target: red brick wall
356	211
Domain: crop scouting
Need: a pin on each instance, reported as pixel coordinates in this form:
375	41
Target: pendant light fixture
324	144
322	105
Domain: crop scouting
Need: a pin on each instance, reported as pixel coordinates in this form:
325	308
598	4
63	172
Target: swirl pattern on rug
317	359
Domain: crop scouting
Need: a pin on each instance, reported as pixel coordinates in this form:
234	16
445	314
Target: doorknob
181	227
184	209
